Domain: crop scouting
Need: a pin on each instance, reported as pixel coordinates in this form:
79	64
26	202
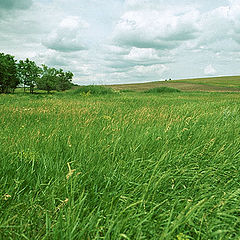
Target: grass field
120	166
215	84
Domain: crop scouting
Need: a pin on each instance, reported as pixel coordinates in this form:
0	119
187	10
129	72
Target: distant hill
214	84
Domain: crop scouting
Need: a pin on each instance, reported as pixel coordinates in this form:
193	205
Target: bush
126	91
93	90
162	90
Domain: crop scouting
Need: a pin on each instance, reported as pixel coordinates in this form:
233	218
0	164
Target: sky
125	41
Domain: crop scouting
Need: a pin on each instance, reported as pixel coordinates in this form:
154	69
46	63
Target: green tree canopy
64	80
53	79
28	72
48	79
8	73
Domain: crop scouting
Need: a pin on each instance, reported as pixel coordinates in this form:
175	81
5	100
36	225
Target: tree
53	79
8	73
64	81
28	72
48	79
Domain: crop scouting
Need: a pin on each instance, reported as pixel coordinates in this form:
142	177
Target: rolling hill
214	84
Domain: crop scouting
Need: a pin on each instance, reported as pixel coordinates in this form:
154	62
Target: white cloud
123	59
219	28
154	70
73	23
155	28
113	49
234	15
68	36
134	74
142	54
210	70
215	25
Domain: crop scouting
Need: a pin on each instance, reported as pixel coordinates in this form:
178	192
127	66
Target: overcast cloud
122	41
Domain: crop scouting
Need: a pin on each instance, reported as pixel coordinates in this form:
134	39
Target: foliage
8	73
94	90
162	90
48	79
28	73
120	166
53	79
63	80
126	90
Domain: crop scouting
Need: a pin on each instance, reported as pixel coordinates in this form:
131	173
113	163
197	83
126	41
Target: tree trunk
31	90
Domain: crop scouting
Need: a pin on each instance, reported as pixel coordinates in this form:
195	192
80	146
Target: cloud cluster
146	37
220	29
125	40
67	37
156	29
180	30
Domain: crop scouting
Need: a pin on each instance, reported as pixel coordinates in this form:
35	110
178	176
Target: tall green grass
128	166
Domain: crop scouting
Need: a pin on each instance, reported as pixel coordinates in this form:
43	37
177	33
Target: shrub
93	90
162	90
126	91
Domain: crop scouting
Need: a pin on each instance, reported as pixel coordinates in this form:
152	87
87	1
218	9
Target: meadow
127	165
212	84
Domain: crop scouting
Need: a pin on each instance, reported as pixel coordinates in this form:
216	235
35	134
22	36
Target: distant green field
120	166
215	84
228	81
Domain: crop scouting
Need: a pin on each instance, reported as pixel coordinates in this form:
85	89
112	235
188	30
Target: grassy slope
217	84
228	81
129	166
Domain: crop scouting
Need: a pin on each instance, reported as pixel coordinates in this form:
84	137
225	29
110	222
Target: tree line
27	74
